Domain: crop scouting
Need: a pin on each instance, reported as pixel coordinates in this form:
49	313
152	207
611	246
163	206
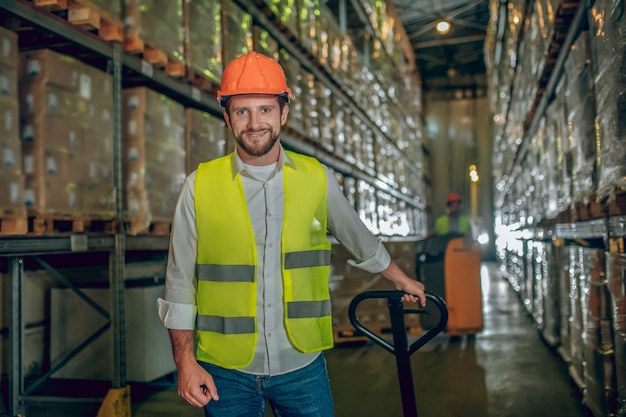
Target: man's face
255	120
454	207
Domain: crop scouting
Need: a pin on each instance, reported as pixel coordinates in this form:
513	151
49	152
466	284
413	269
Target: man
249	262
453	221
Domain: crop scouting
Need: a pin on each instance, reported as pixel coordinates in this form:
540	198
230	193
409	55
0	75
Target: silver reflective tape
307	259
308	309
225	325
226	273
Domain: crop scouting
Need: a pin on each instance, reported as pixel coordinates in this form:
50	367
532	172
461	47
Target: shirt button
269	335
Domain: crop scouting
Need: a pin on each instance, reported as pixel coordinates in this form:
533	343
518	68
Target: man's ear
284	114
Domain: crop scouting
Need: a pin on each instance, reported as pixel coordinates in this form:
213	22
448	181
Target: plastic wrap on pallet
154	156
158	24
205	138
294	74
264	42
577	273
286	12
599	365
581	113
539	296
366	205
551	280
237	31
67	135
556	114
308	22
309	99
112	8
12	188
203	38
616	276
565	307
608	45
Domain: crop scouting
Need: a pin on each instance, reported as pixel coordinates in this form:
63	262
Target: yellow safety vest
226	328
442	226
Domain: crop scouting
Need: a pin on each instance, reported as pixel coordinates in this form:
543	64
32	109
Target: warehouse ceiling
454	59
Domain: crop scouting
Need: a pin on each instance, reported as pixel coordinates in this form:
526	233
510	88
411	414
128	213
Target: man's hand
196	385
402	282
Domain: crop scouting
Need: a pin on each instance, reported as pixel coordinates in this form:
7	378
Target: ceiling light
443	27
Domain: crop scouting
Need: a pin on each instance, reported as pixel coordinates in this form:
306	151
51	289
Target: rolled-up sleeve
347	227
177	310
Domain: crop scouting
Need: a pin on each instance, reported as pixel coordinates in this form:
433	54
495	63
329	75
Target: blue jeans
301	393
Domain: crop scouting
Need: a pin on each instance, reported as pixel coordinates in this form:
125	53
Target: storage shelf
33	245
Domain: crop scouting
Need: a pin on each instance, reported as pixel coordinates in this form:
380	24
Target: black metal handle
400	347
394	297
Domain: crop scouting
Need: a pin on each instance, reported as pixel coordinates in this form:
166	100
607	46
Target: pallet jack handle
400	347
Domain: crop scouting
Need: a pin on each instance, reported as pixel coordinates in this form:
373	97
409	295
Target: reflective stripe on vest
227	262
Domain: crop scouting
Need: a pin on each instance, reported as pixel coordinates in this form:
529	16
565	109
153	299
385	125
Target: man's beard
258	149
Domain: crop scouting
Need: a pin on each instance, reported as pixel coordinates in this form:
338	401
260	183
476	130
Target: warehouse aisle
506	371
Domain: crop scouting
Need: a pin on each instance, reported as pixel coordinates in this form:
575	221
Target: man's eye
240	112
266	110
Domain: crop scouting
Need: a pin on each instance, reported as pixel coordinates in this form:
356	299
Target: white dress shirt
263	186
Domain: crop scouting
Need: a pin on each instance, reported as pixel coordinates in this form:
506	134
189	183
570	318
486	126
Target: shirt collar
283	159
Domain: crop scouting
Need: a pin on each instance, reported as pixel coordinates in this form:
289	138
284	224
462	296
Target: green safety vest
442	225
226	328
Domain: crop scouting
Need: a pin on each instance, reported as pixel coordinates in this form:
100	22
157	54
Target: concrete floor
505	371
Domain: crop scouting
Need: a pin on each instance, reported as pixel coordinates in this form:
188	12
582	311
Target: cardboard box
45	195
8	48
11	190
45	66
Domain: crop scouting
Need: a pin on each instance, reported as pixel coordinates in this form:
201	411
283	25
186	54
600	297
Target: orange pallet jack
400	347
450	267
462	287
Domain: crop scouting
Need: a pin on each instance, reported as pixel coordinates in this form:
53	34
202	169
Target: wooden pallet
44	223
172	66
157	228
200	81
12	223
85	15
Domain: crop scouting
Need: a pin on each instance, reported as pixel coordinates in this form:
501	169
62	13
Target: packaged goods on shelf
205	138
263	42
367	205
294	75
156	24
203	38
154	156
565	306
237	31
616	277
286	12
579	267
66	112
608	55
581	114
308	22
310	111
324	99
12	194
112	8
598	350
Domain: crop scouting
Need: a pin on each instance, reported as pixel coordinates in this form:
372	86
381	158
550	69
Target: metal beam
448	41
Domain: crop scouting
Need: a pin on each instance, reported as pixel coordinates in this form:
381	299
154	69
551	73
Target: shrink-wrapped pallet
12	187
156	25
205	138
238	36
581	112
608	57
599	360
203	38
153	128
616	276
66	112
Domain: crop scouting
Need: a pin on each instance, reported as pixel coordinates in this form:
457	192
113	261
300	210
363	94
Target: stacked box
608	46
205	138
581	114
66	110
616	277
238	36
158	24
153	136
12	187
293	73
203	38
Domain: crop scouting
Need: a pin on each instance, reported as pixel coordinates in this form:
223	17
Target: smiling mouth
256	134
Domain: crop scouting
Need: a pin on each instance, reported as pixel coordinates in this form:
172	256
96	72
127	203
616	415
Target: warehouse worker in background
453	221
246	298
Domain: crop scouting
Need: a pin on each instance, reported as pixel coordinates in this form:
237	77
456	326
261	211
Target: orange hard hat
253	73
453	198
